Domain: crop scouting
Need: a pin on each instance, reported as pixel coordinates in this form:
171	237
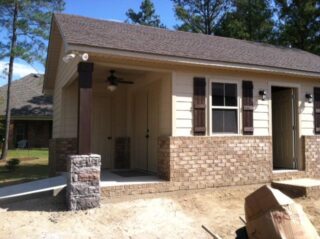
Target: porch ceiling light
112	87
263	94
309	97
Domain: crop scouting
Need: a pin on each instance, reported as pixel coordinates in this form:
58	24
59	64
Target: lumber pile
272	214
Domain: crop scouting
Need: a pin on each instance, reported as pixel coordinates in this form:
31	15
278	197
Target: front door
283	128
146	128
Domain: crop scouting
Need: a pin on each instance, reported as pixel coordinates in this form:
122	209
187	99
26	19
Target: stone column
83	184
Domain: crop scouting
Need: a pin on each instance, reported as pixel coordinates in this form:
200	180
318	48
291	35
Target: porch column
85	70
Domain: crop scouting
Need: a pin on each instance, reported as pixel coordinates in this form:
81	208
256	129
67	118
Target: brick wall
311	150
215	161
38	134
122	153
59	150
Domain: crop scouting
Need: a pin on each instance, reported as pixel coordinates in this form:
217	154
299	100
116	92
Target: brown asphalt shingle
27	98
113	35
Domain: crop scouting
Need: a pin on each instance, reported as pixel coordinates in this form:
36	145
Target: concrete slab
109	179
302	187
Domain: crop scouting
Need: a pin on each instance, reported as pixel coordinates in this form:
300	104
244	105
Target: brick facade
311	150
59	150
36	132
216	161
122	153
39	134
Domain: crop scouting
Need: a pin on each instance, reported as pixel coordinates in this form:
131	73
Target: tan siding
65	72
182	89
182	95
165	106
69	122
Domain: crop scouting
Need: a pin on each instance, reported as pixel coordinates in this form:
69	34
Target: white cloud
19	70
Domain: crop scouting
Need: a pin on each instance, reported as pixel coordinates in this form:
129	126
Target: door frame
297	138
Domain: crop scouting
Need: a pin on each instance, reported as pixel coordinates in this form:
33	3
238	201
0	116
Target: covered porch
121	122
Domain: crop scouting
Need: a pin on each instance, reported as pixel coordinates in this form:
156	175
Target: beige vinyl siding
165	106
65	72
182	90
69	123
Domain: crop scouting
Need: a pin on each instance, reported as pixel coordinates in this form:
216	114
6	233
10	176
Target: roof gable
82	31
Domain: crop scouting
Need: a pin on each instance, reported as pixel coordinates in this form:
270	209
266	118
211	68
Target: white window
224	108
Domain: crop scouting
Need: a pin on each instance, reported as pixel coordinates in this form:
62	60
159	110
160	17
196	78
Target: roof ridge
263	44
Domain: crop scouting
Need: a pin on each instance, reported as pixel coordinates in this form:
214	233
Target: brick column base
59	149
83	184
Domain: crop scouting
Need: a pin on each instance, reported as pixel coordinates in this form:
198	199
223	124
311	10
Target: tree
146	16
200	16
25	26
250	20
299	24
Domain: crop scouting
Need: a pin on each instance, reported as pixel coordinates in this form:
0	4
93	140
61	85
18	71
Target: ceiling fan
113	81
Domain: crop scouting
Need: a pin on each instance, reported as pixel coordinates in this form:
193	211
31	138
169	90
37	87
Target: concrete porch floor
302	187
109	178
53	186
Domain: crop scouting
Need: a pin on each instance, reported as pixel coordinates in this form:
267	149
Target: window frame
211	107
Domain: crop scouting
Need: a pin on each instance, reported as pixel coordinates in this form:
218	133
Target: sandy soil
170	215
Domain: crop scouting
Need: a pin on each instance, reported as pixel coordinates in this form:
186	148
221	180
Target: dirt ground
169	215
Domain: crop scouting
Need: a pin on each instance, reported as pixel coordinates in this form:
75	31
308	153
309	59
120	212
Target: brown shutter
247	107
316	110
199	106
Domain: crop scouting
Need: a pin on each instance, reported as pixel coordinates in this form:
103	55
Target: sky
102	9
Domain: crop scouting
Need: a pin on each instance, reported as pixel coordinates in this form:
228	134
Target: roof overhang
172	61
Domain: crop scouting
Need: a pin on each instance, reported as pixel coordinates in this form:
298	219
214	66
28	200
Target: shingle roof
27	99
143	39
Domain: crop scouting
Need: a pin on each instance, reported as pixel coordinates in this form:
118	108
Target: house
31	112
199	110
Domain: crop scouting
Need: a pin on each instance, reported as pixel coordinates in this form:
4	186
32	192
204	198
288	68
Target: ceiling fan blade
125	82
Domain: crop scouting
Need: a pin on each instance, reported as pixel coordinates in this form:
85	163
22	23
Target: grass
33	166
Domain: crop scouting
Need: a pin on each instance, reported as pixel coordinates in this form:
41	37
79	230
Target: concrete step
302	187
44	187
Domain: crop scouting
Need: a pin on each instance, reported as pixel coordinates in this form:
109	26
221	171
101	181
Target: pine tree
200	16
25	26
249	20
146	16
299	24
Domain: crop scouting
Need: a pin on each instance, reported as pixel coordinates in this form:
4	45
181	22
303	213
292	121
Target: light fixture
263	94
112	87
69	57
309	97
85	56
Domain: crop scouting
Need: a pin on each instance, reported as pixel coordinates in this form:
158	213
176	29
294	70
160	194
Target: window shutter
247	107
199	106
316	110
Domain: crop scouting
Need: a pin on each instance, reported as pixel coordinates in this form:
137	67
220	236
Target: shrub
12	164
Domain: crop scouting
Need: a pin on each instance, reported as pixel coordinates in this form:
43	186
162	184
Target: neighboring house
202	110
31	113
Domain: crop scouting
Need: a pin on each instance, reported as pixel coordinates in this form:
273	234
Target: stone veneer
215	161
83	183
59	150
311	150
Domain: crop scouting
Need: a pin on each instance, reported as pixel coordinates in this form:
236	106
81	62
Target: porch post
85	70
